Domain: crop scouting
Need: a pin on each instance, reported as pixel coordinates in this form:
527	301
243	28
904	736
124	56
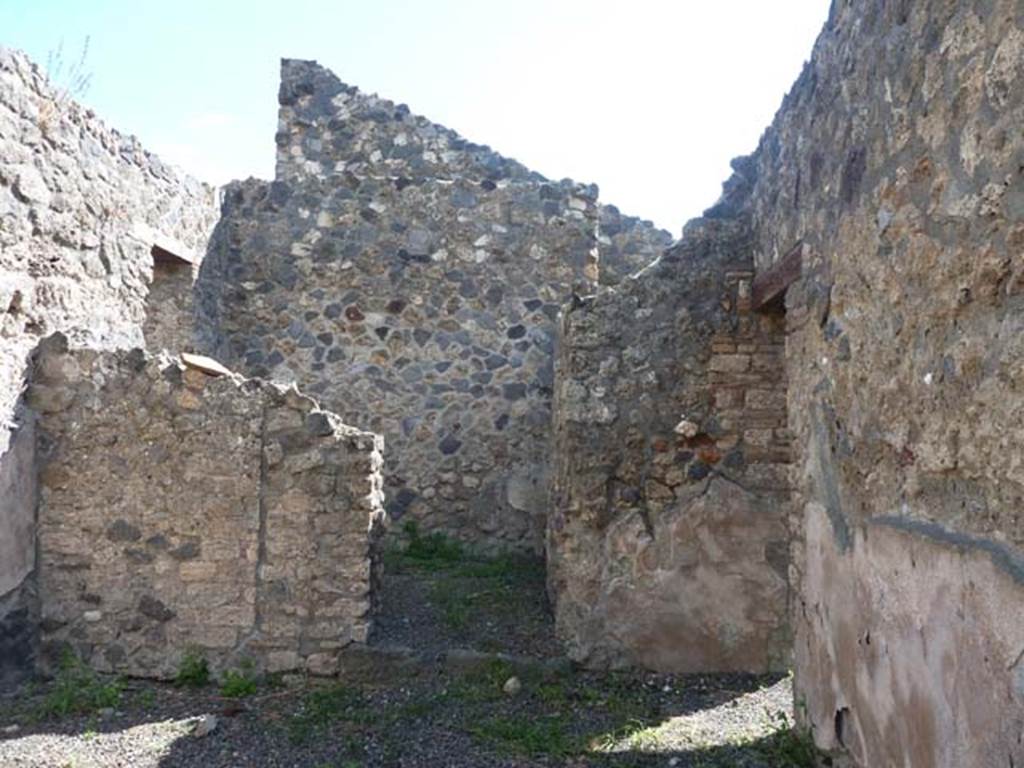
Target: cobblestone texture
72	194
895	164
413	280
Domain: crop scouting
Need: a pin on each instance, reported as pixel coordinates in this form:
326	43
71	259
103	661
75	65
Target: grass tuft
433	550
193	671
239	683
790	746
542	736
78	690
325	706
467	583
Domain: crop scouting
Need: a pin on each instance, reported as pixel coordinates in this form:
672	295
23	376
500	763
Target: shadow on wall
19	609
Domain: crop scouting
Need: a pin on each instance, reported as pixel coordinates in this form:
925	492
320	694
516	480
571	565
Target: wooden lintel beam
164	249
164	256
773	282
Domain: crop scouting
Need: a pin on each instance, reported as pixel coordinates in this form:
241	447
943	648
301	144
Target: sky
649	99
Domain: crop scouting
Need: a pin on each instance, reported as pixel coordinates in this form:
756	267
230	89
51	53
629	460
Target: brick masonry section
668	541
184	510
747	374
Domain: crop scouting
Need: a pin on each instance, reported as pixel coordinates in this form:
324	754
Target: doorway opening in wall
168	270
168	305
768	301
438	593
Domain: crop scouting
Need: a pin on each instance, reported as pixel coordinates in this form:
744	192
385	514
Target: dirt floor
462	670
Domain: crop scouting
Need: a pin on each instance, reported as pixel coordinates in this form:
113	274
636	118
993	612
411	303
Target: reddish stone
709	454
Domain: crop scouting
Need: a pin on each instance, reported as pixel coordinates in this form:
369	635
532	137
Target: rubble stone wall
72	195
626	244
411	280
185	511
668	542
898	160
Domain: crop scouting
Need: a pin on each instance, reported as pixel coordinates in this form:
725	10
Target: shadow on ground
428	717
422	705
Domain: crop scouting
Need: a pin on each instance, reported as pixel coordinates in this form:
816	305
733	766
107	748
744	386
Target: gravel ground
431	718
424	705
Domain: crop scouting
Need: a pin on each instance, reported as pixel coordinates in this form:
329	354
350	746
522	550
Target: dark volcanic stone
138	556
516	391
449	445
152	608
698	470
189	550
398	505
318	424
122	530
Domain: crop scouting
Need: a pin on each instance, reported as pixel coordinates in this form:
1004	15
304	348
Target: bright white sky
648	98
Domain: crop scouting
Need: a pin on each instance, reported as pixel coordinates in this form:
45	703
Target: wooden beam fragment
771	285
164	249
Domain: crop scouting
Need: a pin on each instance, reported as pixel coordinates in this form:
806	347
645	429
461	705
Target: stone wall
411	280
626	244
74	197
897	164
182	507
18	607
898	160
667	544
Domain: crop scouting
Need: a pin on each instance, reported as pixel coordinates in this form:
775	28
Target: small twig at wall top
70	81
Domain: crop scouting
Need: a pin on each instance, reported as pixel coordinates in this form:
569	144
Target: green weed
239	683
78	690
325	706
789	746
433	550
193	671
544	736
